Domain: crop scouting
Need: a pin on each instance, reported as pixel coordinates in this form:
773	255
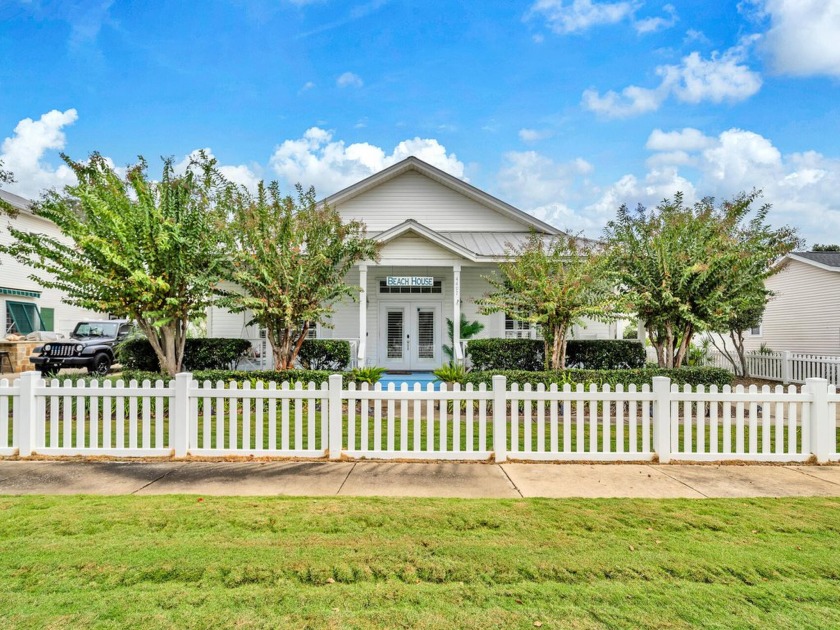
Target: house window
755	332
515	329
22	318
312	333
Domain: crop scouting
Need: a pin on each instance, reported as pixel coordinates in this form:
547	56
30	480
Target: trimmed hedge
253	376
199	354
529	354
507	354
325	354
605	354
682	376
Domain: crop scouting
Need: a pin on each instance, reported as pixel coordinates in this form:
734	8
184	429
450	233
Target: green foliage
468	331
605	354
149	250
199	353
552	281
252	376
529	354
325	354
451	373
687	375
833	247
370	374
6	177
685	269
290	259
507	354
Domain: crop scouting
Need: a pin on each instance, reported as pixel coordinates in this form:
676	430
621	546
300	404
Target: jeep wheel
101	365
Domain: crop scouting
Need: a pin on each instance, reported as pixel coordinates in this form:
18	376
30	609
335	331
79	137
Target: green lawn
407	563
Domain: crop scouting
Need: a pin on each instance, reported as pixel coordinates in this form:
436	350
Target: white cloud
348	79
721	77
24	152
576	16
687	139
307	86
632	101
579	15
804	188
531	179
657	23
317	160
534	135
803	36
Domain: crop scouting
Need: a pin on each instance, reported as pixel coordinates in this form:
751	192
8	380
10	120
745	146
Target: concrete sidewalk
466	480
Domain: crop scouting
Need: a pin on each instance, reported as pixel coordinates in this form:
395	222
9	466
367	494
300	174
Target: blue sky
565	108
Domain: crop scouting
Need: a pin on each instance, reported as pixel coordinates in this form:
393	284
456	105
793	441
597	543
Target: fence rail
533	423
785	367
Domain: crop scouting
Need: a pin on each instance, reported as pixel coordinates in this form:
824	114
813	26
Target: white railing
531	423
785	367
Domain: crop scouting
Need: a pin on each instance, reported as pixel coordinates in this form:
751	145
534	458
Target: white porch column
641	331
457	355
362	352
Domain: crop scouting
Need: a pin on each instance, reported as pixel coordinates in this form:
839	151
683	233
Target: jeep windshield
87	330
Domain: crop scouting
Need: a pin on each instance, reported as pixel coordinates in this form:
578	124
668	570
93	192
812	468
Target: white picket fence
785	367
185	417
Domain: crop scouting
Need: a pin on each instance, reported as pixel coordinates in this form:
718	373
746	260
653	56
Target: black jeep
91	345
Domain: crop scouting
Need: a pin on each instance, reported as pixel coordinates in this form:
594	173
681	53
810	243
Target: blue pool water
423	378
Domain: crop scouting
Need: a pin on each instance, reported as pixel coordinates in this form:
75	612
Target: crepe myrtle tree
551	281
291	256
143	249
685	269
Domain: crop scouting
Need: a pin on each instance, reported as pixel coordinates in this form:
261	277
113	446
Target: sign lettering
410	281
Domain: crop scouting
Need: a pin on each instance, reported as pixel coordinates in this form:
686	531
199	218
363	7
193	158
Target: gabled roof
16	201
412	163
413	226
830	261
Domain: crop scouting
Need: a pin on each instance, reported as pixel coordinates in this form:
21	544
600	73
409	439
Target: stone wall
19	352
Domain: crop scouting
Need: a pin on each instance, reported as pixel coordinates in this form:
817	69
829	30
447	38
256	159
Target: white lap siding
15	275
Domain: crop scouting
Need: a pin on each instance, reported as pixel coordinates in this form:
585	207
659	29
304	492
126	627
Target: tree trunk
558	348
685	342
738	369
739	348
162	342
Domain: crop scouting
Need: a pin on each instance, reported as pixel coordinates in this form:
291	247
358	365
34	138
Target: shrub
507	354
605	354
325	354
212	353
370	374
681	376
451	373
529	354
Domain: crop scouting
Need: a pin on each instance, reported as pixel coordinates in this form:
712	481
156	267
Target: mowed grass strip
188	561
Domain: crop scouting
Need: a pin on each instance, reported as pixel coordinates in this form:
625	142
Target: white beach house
439	236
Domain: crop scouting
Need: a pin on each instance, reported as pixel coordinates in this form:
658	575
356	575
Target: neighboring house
804	314
439	236
25	306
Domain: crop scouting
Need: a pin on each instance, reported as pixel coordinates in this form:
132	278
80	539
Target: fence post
26	421
500	418
662	418
180	414
822	424
334	416
786	365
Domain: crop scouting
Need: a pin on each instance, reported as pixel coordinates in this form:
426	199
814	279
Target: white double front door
410	335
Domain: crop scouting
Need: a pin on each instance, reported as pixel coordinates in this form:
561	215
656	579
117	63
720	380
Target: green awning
20	292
